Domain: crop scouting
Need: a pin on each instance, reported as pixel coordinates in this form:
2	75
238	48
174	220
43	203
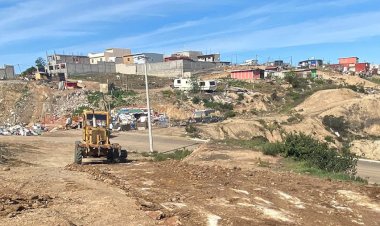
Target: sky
291	30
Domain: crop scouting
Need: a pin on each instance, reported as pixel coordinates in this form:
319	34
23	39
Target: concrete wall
171	69
7	72
127	69
163	69
71	68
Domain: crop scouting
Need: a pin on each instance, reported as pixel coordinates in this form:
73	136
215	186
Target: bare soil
214	186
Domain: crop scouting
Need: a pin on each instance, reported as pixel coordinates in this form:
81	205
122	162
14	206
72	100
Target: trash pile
67	104
19	130
136	119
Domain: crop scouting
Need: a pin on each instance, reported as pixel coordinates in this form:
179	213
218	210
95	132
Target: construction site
215	159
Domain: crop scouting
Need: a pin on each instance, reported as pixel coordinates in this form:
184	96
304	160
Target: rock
173	221
20	208
6	168
146	204
155	215
33	197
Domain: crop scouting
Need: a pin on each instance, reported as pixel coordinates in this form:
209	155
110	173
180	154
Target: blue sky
237	29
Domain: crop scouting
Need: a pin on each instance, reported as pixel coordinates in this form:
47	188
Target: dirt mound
327	99
347	79
367	148
200	194
240	129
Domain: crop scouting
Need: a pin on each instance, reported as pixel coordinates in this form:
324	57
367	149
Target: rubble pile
66	104
19	130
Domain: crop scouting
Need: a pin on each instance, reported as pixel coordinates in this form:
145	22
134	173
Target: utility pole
148	104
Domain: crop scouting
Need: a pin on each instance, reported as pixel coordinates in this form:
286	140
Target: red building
249	74
361	67
348	60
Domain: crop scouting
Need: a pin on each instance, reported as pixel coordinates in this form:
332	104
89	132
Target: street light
148	103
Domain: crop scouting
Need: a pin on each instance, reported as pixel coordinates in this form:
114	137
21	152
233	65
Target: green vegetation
118	97
176	155
229	114
240	84
329	139
196	100
304	168
218	106
337	124
80	110
318	154
295	81
374	80
241	97
167	93
309	153
192	130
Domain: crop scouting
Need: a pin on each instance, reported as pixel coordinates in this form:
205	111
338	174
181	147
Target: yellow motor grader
96	139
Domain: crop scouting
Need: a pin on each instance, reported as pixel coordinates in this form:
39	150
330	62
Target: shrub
196	100
329	139
192	130
296	82
317	154
176	155
241	97
218	106
167	93
273	149
229	114
337	124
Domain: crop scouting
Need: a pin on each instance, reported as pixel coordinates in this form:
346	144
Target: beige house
109	55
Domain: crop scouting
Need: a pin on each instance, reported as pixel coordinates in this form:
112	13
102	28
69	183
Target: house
109	55
8	71
62	66
348	60
250	62
187	84
351	64
248	74
209	58
142	58
310	63
193	55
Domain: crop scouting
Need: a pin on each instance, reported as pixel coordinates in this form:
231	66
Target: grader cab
96	139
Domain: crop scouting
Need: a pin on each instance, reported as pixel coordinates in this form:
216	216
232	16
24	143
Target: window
63	66
202	84
51	68
178	81
212	83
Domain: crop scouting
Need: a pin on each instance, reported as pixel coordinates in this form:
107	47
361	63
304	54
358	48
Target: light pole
148	103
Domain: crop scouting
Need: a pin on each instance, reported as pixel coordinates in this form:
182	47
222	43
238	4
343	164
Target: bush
176	155
167	93
273	149
241	97
229	114
196	100
296	82
192	130
218	106
317	154
337	124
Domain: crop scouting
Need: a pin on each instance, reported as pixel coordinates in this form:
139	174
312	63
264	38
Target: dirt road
40	188
38	191
370	170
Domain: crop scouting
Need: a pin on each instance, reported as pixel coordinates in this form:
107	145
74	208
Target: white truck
187	84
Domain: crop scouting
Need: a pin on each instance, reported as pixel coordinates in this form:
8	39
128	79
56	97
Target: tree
29	71
40	62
